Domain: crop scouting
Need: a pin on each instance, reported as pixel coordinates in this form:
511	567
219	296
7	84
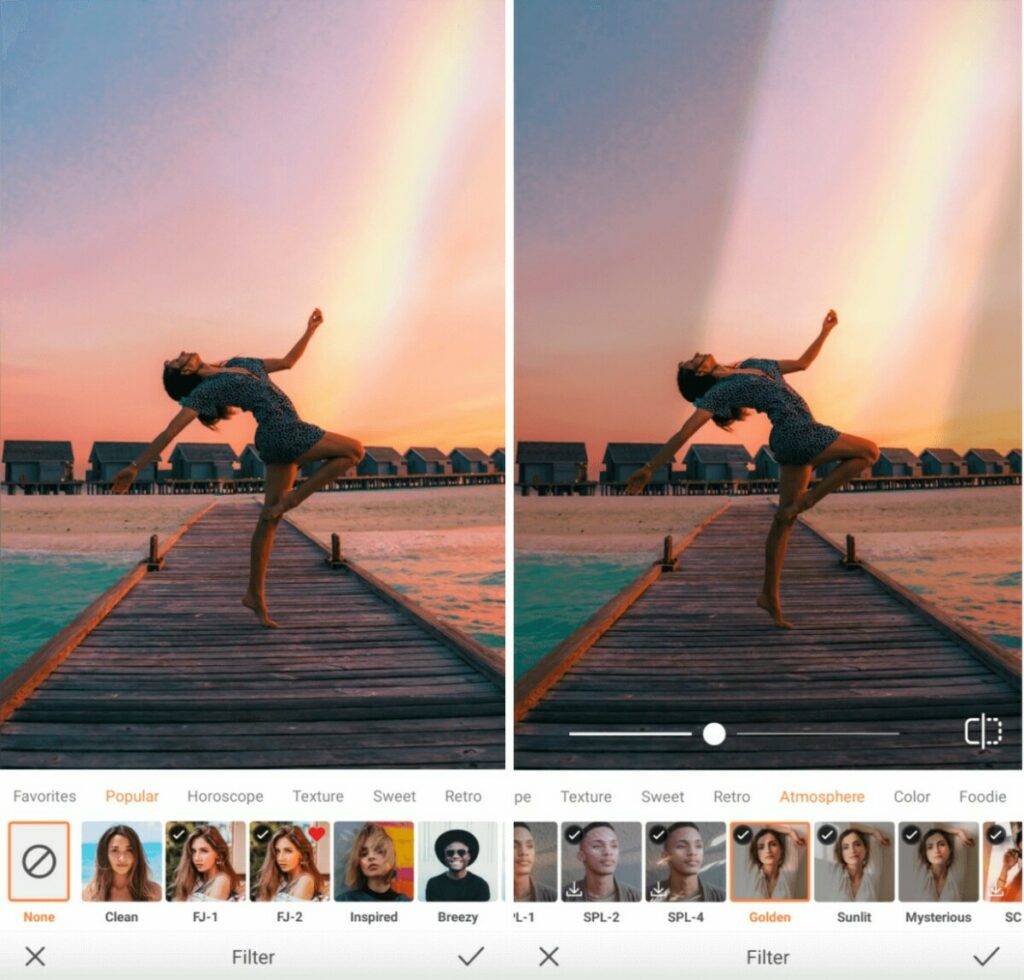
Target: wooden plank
489	662
540	678
992	655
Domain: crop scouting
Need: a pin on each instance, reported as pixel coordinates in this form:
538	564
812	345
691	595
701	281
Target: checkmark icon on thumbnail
911	834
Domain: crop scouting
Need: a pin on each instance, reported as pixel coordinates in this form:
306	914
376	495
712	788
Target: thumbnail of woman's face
286	855
769	851
374	860
204	857
120	855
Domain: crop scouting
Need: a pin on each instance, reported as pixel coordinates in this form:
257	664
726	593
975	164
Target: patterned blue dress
281	436
796	438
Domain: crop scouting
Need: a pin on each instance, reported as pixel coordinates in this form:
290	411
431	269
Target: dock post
850	558
667	564
336	561
154	562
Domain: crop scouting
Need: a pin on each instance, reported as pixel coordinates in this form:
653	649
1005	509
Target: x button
35	956
548	957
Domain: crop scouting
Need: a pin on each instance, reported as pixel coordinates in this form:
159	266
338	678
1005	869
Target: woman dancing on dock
211	392
726	393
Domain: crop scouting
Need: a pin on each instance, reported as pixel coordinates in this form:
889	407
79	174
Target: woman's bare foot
260	608
774	610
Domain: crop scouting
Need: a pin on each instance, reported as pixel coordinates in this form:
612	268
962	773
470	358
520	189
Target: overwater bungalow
942	462
985	461
622	459
251	466
203	461
427	460
551	463
469	460
107	459
498	459
381	461
717	462
34	461
766	466
1013	459
896	462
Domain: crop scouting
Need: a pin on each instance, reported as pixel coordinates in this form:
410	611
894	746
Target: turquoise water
39	595
154	855
555	595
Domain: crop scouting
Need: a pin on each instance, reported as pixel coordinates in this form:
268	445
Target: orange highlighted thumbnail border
10	857
734	860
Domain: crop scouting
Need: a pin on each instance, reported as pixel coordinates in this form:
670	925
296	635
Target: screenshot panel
767	512
740	284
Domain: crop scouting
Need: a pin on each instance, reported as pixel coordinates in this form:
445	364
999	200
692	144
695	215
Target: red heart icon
317	832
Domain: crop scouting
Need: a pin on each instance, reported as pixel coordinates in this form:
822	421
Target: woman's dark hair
755	859
861	836
922	848
178	385
692	386
140	882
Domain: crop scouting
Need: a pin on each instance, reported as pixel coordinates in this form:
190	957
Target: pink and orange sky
714	177
200	176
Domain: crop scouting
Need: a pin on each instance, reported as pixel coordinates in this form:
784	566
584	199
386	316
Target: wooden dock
871	677
168	670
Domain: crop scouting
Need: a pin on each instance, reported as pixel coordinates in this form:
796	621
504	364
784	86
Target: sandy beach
109	524
607	525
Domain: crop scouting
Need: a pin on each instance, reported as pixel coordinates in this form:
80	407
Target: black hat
461	835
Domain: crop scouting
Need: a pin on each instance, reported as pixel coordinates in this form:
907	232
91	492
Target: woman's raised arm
284	363
806	359
126	477
691	427
798	841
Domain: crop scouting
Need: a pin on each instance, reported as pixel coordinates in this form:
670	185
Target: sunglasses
452	852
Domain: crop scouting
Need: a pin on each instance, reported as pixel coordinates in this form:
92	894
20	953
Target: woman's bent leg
854	455
341	454
278	482
793	482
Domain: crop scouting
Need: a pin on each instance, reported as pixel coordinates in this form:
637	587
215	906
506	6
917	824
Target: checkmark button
466	962
827	834
985	961
741	833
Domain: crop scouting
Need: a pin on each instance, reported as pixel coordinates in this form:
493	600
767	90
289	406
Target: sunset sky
713	177
199	176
